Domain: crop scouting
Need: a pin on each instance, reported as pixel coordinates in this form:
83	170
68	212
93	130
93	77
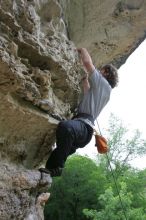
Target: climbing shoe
53	172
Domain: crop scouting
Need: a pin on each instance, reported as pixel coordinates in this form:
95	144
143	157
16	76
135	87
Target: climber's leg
70	135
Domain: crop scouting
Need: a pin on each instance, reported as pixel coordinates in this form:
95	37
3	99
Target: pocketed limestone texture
39	82
22	192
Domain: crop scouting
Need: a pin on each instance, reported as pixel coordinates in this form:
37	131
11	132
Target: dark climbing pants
70	135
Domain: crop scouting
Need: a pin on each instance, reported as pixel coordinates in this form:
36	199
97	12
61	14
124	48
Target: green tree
112	209
85	184
79	187
124	146
135	181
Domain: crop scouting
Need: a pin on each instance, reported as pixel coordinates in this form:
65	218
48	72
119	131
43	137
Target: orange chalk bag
101	144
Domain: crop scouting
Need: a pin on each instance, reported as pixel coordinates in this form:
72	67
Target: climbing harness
115	182
100	141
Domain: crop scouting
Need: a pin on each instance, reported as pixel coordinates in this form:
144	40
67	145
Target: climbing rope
115	182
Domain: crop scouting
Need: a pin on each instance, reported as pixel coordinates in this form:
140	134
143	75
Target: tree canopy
86	189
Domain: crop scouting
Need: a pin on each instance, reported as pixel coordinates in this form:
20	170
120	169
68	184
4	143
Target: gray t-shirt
97	96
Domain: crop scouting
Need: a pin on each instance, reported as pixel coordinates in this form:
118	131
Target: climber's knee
64	132
65	127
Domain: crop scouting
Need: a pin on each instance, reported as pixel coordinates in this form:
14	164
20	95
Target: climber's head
110	73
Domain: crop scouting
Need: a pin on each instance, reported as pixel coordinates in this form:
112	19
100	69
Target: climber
77	132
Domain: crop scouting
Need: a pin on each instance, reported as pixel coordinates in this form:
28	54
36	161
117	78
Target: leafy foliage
87	191
113	209
124	146
79	187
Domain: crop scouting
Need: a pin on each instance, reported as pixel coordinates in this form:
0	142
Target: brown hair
111	74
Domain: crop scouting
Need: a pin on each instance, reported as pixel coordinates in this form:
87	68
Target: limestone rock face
110	29
39	81
22	192
39	77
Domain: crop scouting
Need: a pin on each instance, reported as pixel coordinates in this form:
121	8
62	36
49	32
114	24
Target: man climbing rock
77	132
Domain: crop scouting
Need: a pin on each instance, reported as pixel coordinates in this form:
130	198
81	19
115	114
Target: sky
127	101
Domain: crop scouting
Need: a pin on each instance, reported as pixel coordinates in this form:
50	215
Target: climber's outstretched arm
86	60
